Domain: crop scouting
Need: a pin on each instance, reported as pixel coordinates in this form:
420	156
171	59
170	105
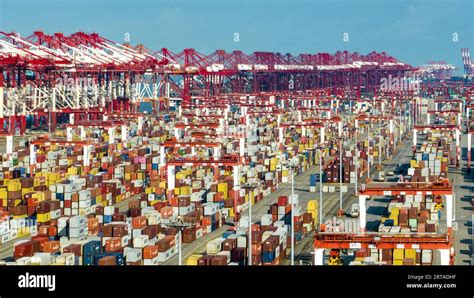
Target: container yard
125	153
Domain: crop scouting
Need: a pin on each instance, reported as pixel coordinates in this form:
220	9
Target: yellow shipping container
395	219
23	232
41	218
398	262
163	184
39	195
149	190
193	260
413	163
222	187
185	190
410	253
231	212
177	191
72	171
19	216
154	202
313	205
128	176
395	211
285	173
118	198
272	167
98	199
398	254
3	194
13	186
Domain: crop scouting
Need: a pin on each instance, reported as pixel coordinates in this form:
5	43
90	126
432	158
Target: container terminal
115	154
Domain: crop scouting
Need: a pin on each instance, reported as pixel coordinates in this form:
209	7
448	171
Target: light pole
292	216
356	158
180	259
250	187
368	151
341	212
320	187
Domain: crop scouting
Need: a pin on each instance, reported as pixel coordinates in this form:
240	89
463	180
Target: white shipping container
42	258
426	256
165	256
151	262
77	221
109	210
67	259
266	220
132	254
242	242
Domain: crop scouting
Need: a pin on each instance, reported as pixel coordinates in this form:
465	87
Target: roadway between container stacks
330	205
403	155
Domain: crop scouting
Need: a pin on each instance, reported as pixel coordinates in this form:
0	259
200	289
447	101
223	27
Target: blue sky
414	31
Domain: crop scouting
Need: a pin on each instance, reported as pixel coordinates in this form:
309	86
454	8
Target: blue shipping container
227	233
107	218
313	179
91	248
268	256
88	261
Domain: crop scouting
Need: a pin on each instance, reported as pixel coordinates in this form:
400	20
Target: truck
354	212
380	176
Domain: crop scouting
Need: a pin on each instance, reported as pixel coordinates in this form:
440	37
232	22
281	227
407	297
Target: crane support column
280	135
111	132
319	256
124	133
449	211
445	256
9	146
71	118
32	159
414	138
69	134
339	126
242	147
363	212
458	148
83	133
171	178
217	152
162	156
469	150
428	119
140	125
322	135
176	133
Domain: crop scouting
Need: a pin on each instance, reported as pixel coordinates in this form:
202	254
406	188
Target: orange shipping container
51	246
166	212
113	244
93	224
138	222
206	221
256	248
150	252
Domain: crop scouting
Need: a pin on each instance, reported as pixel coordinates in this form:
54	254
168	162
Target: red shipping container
282	200
108	261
